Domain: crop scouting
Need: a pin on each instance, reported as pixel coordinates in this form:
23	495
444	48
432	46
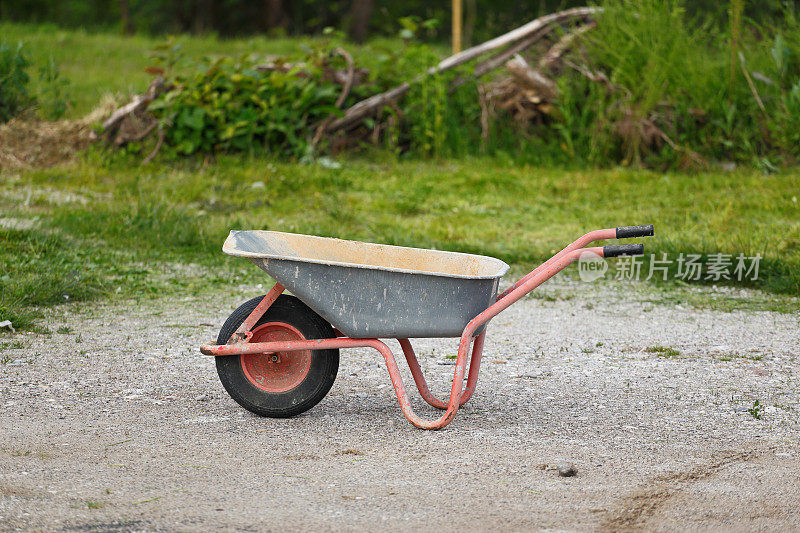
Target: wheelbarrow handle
622	232
616	250
626	232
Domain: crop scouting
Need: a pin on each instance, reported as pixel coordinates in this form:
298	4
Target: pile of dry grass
30	143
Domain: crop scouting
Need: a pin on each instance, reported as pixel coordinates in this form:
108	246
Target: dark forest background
360	19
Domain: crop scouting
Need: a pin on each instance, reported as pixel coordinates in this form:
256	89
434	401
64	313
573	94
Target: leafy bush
14	79
228	104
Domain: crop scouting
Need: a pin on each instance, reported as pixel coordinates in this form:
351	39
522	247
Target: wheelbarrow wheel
282	384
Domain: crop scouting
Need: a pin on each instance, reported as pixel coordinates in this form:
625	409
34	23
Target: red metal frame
239	343
245	331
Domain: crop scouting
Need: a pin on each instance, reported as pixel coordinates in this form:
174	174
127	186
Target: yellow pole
456	26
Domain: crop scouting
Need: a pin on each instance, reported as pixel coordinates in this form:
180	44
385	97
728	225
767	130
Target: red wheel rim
280	371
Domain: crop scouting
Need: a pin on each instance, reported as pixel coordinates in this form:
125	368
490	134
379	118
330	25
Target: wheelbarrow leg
419	377
399	389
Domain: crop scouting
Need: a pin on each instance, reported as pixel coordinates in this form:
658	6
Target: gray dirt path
118	424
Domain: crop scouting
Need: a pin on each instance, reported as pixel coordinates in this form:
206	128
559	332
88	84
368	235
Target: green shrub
14	79
228	104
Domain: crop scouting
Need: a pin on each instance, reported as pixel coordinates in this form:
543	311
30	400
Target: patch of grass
13	345
732	356
89	504
725	301
663	351
41	269
757	410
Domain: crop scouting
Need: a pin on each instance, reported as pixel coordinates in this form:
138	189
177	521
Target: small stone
203	398
566	469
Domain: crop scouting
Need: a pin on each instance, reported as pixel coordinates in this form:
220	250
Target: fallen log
497	60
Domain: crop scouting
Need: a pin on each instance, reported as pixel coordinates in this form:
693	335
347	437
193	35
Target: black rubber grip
615	250
626	232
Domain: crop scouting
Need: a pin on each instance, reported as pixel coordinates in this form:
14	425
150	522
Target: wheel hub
279	371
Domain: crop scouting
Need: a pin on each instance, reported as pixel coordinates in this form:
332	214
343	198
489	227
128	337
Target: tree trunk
360	13
470	15
275	15
125	13
204	16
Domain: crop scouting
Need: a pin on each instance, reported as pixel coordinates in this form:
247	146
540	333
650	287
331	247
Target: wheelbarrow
278	355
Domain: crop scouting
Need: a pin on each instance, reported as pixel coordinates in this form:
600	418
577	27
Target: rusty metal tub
371	290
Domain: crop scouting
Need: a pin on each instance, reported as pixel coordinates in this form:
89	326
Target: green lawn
115	228
97	64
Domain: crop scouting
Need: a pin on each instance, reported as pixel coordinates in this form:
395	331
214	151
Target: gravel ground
116	423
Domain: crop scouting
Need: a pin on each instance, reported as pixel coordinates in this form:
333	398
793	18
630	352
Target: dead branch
513	36
485	113
497	60
368	106
138	104
597	77
752	85
549	59
348	84
159	143
694	156
350	75
138	136
529	92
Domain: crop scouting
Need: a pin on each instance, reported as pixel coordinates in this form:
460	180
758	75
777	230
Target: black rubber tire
321	374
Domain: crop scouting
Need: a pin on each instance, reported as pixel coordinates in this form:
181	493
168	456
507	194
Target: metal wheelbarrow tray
278	355
375	290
